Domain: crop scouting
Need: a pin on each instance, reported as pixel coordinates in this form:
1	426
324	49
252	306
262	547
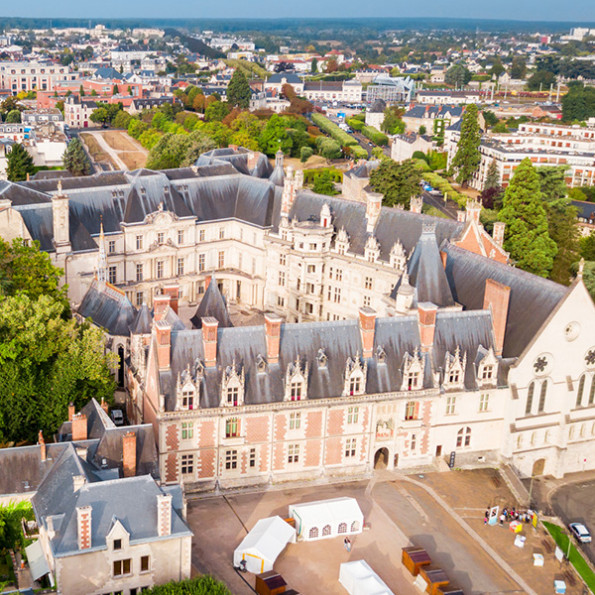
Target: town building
347	91
390	89
375	114
434	118
31	76
448	97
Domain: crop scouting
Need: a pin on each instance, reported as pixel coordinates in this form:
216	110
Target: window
354	526
281	278
252	458
355	385
201	262
313	533
339	275
117	544
293	453
313	246
231	460
187	464
233	393
311	268
295	420
310	288
350	447
111	247
122	567
413	442
352	415
484	400
140	298
282	259
139	272
368	283
187	430
201	235
180	236
139	242
580	391
280	301
180	267
295	392
367	301
453	376
112	274
326	530
342	528
232	427
144	564
222	233
188	399
464	437
161	238
542	395
592	392
487	372
529	404
221	259
160	268
337	297
410	410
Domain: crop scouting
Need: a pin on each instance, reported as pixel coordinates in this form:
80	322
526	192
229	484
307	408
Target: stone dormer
372	249
454	369
296	381
398	258
232	386
413	371
487	367
188	387
355	376
342	241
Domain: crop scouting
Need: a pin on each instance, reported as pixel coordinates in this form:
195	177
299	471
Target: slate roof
107	72
213	304
435	111
289	77
143	321
377	107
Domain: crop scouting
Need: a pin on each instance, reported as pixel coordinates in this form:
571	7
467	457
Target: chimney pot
173	291
272	327
163	333
79	427
427	324
209	340
71	411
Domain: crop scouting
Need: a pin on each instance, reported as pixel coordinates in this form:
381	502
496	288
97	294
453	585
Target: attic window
117	544
322	359
188	399
380	355
453	376
296	391
412	380
261	364
487	372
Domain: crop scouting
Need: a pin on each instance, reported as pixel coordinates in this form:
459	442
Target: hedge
333	130
439	183
311	174
377	137
355	124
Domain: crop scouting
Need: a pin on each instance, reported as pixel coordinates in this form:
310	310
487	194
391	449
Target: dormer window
188	399
380	355
117	544
412	380
321	358
413	367
342	242
296	391
233	393
232	386
355	376
454	369
487	372
296	381
261	364
371	249
487	368
398	258
453	377
355	385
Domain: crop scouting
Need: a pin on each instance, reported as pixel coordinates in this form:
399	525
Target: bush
306	153
333	130
419	155
330	149
377	137
355	124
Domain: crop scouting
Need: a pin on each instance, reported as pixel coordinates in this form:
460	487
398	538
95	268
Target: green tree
238	90
314	66
457	76
204	585
11	516
19	164
13	117
587	244
541	80
467	158
323	183
392	123
422	130
563	229
397	182
552	183
518	68
306	153
526	237
99	115
75	159
216	111
497	68
329	149
122	119
492	177
489	117
578	103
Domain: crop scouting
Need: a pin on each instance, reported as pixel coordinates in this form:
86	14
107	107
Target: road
449	209
113	155
574	502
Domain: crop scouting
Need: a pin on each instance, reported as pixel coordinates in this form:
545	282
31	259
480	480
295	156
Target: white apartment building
33	76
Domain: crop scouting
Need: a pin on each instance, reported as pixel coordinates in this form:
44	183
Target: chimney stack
83	526
208	280
163	332
473	210
173	291
461	216
209	340
498	233
129	454
61	221
415	204
427	324
70	411
163	515
79	427
272	326
373	205
42	447
160	305
104	405
78	481
367	327
496	299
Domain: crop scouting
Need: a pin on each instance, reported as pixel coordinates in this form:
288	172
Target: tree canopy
238	90
397	182
204	585
467	158
19	163
75	159
457	76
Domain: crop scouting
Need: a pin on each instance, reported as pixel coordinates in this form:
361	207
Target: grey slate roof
378	107
143	321
212	304
532	298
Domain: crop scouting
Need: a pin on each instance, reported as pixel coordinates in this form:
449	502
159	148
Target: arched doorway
538	467
381	458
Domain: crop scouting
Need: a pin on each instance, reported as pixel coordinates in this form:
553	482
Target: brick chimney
272	327
496	298
208	280
427	324
209	340
83	527
42	447
373	205
473	210
415	204
71	411
163	515
367	327
173	291
129	454
252	160
104	405
163	332
160	305
79	427
498	233
461	216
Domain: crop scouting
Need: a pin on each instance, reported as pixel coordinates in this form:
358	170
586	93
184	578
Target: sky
531	10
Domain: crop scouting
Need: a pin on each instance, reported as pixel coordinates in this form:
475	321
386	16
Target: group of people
509	515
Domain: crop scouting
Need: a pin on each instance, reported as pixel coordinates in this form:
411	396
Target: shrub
377	137
355	124
305	154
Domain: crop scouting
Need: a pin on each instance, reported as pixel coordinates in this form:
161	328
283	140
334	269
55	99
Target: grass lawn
576	559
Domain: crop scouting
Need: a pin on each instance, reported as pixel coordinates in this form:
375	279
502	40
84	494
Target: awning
37	562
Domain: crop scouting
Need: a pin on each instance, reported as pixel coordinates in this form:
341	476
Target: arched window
464	437
571	433
326	530
533	438
519	441
342	528
542	396
592	392
529	405
313	533
581	390
354	526
546	437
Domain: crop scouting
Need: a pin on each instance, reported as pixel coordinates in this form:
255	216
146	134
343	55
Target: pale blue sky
534	10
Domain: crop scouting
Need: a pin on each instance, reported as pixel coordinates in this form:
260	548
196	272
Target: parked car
117	417
580	532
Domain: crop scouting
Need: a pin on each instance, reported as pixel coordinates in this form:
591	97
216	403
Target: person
485	518
502	519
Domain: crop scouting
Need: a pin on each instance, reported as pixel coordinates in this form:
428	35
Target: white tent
327	518
359	579
263	544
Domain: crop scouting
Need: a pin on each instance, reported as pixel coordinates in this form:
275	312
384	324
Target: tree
467	158
587	244
526	237
491	195
323	183
492	177
489	117
563	229
115	90
329	149
11	516
19	164
216	111
81	91
204	585
518	68
99	115
578	103
392	123
314	66
75	159
457	76
552	183
497	68
122	119
541	80
397	182
13	117
306	153
422	130
238	90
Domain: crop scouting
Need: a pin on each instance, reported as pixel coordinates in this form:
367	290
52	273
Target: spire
101	257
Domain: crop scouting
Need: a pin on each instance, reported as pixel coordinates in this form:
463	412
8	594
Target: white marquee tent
327	518
359	579
263	544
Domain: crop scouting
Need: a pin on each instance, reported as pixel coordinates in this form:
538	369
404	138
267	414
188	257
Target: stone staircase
515	485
